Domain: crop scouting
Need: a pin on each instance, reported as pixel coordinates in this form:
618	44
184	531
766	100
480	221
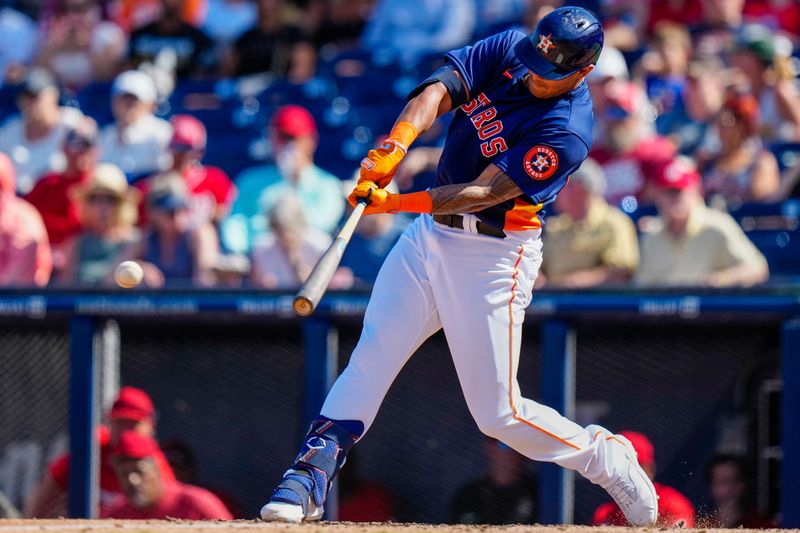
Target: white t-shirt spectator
32	159
271	265
142	148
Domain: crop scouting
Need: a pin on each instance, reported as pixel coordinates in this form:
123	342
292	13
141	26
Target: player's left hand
378	200
381	163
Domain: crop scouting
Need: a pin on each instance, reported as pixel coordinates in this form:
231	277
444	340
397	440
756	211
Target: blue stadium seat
775	230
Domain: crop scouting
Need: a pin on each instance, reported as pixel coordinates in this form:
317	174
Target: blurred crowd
693	177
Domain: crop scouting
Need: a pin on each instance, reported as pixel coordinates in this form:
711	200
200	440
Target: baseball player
523	123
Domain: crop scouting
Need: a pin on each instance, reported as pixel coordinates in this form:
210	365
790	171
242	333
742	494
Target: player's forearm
480	194
422	110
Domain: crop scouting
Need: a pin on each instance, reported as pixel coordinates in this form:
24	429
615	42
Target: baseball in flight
128	274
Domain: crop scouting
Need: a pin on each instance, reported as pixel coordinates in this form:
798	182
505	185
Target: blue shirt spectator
409	29
293	134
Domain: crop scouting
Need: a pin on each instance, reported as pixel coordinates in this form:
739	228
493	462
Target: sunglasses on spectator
182	148
102	198
78	143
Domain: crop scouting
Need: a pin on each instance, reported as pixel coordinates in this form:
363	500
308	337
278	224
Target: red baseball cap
644	448
132	404
136	446
188	132
293	121
678	173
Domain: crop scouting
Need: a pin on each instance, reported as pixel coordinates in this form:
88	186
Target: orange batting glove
381	164
382	201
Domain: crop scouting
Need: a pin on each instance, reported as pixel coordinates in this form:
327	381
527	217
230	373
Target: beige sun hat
109	179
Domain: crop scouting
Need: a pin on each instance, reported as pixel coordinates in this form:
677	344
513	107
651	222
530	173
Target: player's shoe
632	489
292	500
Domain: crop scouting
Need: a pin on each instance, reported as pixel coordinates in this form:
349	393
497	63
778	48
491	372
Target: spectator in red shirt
52	195
25	258
132	411
211	191
146	494
673	507
629	151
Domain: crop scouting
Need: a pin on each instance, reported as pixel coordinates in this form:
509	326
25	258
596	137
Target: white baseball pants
476	287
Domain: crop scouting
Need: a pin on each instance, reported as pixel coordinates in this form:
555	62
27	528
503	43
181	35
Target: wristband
416	202
404	133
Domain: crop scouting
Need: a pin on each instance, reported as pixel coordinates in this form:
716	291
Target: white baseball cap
137	83
610	65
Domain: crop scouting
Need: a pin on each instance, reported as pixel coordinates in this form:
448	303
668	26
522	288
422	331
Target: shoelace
624	493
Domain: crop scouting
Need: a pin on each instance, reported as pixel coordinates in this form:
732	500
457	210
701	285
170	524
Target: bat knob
303	306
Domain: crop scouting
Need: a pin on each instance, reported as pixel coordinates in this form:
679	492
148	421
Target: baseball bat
314	288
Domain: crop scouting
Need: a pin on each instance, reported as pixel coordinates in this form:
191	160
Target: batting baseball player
523	123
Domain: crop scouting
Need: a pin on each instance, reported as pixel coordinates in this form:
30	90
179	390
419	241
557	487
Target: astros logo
540	162
545	44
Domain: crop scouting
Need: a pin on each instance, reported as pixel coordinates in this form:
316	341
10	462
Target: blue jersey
537	142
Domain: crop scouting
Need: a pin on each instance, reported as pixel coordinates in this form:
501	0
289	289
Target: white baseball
128	274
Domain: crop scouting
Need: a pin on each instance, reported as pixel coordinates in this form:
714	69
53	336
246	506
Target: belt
457	221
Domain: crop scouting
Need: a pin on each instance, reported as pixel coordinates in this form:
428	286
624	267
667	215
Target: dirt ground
156	526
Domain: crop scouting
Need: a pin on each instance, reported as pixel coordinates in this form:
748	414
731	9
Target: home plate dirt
158	526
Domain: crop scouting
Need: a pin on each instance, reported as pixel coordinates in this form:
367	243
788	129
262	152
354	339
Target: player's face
140	481
542	88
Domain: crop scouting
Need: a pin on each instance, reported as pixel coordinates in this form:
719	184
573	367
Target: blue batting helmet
565	40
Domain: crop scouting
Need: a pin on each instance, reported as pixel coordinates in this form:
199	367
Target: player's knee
493	426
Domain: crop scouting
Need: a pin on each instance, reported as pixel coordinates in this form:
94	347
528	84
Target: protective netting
231	392
34	386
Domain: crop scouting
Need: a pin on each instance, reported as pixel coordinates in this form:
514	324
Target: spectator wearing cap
211	191
33	139
674	509
768	74
146	494
107	210
293	134
25	258
628	150
132	410
689	244
742	170
610	66
137	142
174	252
285	257
589	243
52	195
193	50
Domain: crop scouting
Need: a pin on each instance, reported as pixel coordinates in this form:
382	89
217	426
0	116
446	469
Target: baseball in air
128	274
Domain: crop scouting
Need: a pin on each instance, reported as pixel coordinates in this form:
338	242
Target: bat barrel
314	288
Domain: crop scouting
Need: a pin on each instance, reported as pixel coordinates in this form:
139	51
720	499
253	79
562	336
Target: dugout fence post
556	491
84	455
790	430
321	346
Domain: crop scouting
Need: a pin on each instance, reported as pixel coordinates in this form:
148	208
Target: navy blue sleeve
480	63
541	163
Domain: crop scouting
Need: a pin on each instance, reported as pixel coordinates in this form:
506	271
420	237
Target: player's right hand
378	200
381	163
